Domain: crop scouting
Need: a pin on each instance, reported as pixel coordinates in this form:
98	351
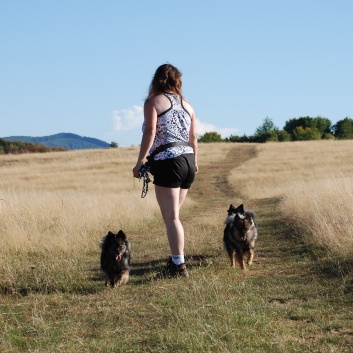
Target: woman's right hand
136	169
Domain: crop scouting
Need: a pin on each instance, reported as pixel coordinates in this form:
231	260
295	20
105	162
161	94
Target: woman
170	126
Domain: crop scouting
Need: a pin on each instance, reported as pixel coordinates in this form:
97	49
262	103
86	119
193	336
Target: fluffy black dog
115	258
240	235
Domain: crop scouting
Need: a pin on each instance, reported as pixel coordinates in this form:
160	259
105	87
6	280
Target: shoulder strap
174	99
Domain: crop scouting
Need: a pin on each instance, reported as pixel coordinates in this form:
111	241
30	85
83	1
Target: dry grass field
315	181
55	207
58	205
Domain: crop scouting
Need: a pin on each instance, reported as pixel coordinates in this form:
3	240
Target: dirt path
213	194
213	177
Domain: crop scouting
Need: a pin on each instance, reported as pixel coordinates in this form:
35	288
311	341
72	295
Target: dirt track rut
212	181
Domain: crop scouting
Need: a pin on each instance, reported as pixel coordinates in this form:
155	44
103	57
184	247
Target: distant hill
66	140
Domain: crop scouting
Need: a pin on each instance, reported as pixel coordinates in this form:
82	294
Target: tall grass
315	180
62	201
60	205
323	211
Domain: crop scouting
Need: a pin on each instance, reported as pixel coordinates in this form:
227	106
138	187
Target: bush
283	136
210	137
328	136
235	138
12	147
269	136
304	134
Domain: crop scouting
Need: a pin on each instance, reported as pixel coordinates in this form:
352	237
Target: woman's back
173	125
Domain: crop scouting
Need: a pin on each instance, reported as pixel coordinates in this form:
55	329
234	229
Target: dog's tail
100	244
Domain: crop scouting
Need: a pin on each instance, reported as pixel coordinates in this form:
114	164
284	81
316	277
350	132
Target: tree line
296	129
18	147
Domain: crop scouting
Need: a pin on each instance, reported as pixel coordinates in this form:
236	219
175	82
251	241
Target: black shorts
175	172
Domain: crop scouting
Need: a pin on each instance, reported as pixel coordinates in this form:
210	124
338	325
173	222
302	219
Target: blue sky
84	66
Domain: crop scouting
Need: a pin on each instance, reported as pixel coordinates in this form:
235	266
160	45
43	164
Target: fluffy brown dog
240	235
115	258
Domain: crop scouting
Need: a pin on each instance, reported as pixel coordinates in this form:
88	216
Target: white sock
178	259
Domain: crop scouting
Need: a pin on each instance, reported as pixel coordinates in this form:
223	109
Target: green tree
292	124
344	129
319	124
323	125
114	144
267	126
267	132
210	137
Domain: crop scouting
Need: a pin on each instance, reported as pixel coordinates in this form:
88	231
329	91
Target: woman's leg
182	196
170	201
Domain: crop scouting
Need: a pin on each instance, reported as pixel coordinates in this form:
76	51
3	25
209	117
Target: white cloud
132	119
202	128
128	119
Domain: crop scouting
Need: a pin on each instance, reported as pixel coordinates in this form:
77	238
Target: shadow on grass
140	272
143	272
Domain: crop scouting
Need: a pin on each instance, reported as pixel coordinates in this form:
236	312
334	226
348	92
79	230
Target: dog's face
242	224
235	210
248	222
115	258
117	243
238	222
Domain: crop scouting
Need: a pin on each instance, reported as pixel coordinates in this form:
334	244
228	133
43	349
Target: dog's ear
122	235
240	209
110	234
248	216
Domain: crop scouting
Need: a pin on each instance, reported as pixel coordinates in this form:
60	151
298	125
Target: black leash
143	173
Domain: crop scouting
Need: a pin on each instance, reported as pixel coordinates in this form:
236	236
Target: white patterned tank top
173	125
